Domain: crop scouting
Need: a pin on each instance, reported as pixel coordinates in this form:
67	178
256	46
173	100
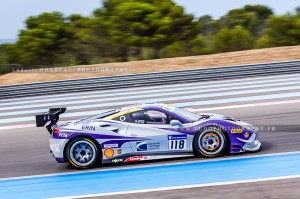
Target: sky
13	13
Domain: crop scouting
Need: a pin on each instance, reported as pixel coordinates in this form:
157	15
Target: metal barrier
148	79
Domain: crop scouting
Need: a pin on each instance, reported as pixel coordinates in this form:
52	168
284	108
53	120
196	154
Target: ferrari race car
145	132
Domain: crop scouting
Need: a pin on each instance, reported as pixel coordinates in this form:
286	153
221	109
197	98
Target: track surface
26	152
264	190
269	100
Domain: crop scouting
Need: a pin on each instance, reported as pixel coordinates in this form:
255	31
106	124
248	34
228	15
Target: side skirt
143	157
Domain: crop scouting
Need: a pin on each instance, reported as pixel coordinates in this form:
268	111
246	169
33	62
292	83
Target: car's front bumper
252	144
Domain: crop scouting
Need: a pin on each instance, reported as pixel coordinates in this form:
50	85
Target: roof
153	105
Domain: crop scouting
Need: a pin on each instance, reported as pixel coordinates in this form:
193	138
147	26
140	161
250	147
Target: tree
43	40
240	17
151	23
250	17
11	53
208	25
262	42
1	60
233	40
81	41
241	39
222	40
262	12
283	30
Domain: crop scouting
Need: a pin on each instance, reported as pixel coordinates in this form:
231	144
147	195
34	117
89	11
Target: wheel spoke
211	142
82	153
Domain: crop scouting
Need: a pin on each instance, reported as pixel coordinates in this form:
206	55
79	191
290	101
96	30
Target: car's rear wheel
210	142
83	153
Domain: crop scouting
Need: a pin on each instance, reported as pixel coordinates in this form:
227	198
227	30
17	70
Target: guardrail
147	79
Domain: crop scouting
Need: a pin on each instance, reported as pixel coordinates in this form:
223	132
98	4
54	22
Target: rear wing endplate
52	115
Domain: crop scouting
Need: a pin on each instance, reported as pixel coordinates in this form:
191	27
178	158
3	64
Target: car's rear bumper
57	148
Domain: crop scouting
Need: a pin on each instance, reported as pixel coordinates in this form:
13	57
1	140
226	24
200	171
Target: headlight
245	125
249	127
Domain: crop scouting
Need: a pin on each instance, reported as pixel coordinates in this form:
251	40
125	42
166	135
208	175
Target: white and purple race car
145	132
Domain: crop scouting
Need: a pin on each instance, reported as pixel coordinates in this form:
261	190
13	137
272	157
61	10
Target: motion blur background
117	30
194	34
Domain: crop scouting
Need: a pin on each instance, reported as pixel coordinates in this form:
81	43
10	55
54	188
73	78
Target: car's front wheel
210	142
83	153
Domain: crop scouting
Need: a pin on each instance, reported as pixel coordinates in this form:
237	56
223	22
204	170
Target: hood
217	116
229	119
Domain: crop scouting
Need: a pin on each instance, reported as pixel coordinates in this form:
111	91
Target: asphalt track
273	101
277	189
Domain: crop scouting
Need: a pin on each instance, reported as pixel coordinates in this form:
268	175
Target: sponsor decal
119	151
177	142
246	135
47	117
136	158
177	137
111	146
109	153
122	118
117	160
147	146
236	130
62	135
141	146
139	121
89	128
57	148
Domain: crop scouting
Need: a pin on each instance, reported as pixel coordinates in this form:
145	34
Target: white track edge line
153	165
182	187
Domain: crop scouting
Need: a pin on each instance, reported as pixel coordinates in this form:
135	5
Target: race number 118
177	144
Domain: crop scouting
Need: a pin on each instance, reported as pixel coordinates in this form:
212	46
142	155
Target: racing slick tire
83	153
210	142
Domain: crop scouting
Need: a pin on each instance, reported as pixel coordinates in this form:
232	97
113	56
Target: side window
150	117
123	118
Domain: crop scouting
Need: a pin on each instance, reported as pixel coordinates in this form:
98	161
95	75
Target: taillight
55	131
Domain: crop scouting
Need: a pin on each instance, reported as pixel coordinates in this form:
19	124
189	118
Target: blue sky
14	12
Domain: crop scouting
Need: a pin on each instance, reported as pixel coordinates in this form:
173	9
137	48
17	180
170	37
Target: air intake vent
110	128
230	119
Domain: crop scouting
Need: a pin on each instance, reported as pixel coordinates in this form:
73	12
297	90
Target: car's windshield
191	117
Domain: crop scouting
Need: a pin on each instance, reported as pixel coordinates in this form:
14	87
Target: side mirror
176	123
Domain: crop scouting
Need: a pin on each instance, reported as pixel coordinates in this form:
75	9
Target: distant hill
3	41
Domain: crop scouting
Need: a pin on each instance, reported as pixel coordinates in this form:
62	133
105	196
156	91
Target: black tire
210	142
83	153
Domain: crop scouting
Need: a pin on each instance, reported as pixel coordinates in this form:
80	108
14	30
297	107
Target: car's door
156	134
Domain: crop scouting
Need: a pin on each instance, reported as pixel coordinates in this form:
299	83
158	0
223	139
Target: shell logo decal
246	135
109	153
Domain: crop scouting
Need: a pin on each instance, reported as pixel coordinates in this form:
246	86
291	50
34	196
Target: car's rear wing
52	115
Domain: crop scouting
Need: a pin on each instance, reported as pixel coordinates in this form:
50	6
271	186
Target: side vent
110	128
105	125
115	130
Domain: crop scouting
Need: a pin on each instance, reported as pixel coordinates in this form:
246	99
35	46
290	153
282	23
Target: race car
145	132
